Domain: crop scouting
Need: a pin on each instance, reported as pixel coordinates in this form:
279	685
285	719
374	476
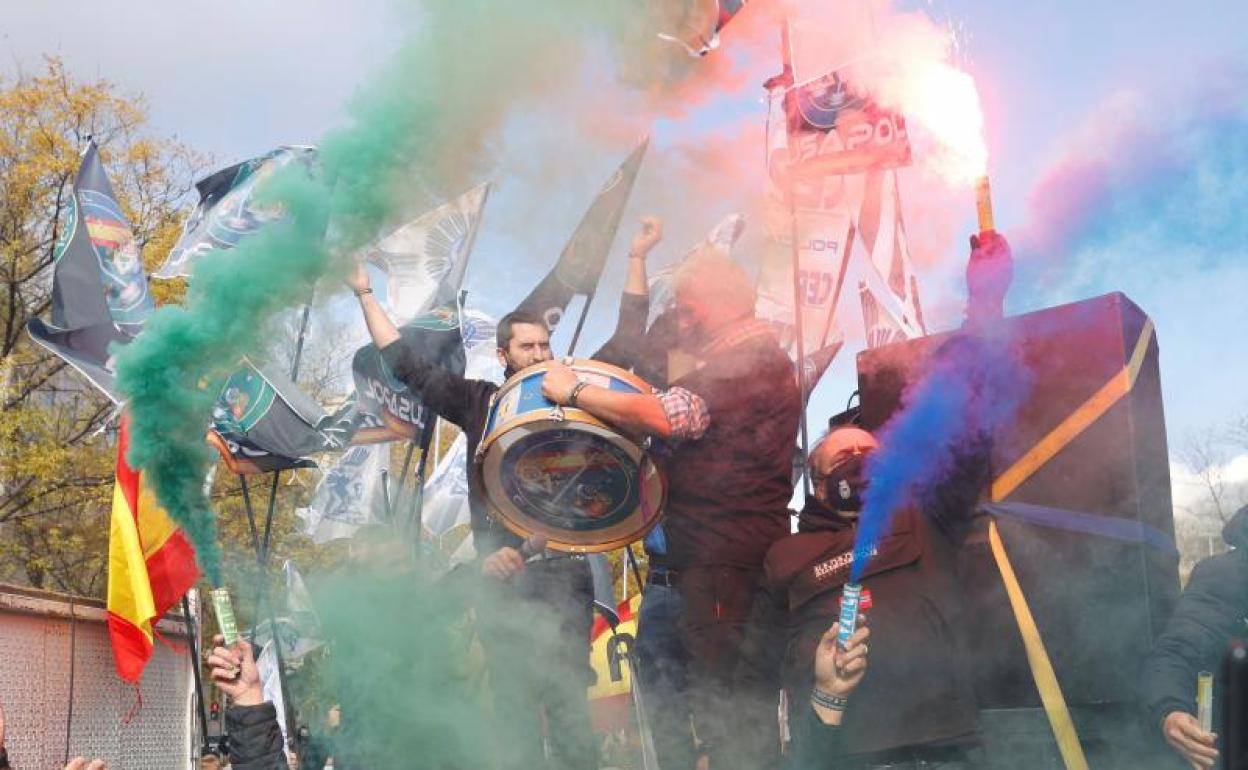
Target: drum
563	474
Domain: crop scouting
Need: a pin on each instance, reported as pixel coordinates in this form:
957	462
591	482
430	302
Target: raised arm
380	327
624	347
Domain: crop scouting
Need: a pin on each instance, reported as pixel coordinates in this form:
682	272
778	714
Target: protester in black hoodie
1212	611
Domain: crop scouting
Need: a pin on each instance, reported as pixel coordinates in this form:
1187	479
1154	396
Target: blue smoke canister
851	594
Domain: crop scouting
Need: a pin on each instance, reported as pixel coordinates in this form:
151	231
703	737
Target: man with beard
556	589
729	426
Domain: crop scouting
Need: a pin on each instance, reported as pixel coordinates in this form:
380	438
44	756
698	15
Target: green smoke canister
224	610
851	595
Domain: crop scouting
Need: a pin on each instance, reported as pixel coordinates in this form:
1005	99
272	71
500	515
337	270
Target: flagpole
796	254
416	518
193	652
580	322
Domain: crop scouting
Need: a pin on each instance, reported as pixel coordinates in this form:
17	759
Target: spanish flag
151	565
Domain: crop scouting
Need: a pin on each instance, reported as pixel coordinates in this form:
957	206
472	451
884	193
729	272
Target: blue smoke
972	387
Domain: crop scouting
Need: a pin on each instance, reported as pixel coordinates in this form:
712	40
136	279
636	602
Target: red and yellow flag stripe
151	565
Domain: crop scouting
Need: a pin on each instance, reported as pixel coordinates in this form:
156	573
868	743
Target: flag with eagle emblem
424	260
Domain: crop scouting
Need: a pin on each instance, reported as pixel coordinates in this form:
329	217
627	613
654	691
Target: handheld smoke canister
851	596
1204	700
983	204
223	608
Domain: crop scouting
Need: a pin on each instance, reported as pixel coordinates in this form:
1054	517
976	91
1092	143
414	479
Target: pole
418	483
787	55
193	650
580	322
632	566
398	485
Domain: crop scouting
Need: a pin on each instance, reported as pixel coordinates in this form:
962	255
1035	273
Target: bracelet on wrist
828	700
362	292
576	391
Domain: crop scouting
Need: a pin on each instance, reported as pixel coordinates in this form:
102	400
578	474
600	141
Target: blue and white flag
348	497
232	206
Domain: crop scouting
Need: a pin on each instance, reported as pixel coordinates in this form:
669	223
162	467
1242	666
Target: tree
57	448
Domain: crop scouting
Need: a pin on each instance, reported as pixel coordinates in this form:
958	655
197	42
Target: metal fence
59	688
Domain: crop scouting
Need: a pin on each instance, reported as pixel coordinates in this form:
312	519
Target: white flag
348	496
271	685
424	260
824	241
478	332
446	517
883	234
881	326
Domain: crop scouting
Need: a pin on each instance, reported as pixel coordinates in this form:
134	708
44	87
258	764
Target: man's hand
234	671
80	763
647	237
1183	732
558	382
503	564
838	671
357	279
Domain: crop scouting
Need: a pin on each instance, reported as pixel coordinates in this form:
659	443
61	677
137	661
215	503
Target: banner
610	699
581	262
424	260
231	207
348	497
834	130
263	422
433	337
824	239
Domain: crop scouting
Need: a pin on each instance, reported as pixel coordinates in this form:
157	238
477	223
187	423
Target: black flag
580	264
100	295
263	422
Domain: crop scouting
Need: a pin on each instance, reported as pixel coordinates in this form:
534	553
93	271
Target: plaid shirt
686	413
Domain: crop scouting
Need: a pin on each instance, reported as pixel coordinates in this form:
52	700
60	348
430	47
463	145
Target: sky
1150	94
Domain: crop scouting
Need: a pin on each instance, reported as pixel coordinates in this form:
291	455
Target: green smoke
406	663
420	131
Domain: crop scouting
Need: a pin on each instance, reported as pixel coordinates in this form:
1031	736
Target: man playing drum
560	587
731	425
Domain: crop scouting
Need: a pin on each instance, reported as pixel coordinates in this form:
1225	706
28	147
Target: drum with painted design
563	474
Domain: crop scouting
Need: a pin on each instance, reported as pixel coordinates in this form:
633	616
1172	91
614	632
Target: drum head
579	484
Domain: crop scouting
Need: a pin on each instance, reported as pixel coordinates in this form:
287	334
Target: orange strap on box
1044	450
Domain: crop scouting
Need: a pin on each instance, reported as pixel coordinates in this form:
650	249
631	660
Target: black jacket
255	738
466	403
916	691
1212	610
